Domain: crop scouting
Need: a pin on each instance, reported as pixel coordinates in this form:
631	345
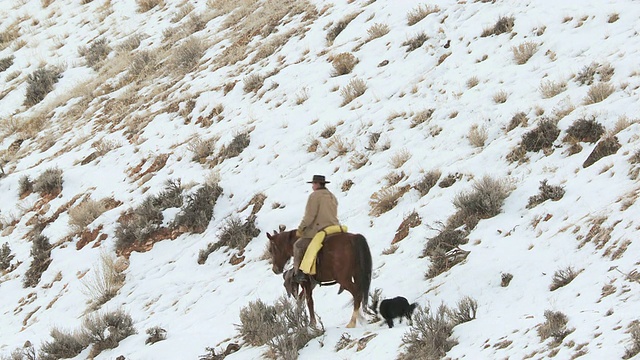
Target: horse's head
280	248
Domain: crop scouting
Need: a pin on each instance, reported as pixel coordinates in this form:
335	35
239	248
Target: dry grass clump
6	62
500	97
130	43
549	88
415	42
428	181
25	186
146	5
503	25
201	148
352	90
421	117
598	92
477	136
399	158
377	30
143	64
584	130
439	250
107	279
547	192
505	279
563	277
337	28
386	199
328	131
187	55
41	258
634	331
541	137
555	326
472	81
85	213
420	12
523	52
343	63
587	75
40	83
484	201
8	35
284	327
252	82
49	182
95	53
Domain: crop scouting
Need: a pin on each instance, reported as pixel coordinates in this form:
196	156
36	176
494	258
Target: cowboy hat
318	179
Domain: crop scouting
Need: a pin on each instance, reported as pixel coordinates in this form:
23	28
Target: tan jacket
321	211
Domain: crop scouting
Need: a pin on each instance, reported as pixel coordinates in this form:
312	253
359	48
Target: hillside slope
251	98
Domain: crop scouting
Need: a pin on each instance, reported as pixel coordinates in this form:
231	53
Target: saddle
308	263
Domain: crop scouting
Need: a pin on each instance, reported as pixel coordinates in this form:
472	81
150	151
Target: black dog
397	307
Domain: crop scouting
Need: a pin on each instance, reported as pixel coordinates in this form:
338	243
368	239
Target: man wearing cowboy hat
321	211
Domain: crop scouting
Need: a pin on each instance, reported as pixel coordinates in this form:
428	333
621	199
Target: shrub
587	74
336	29
429	335
555	326
237	234
385	199
156	334
541	137
6	63
505	279
485	200
519	119
352	90
95	53
328	131
107	279
40	83
170	196
85	213
25	186
415	42
549	88
41	254
563	277
429	180
195	216
64	345
465	311
284	327
5	257
358	160
139	224
119	325
373	140
584	130
143	63
608	145
377	30
420	12
49	182
446	240
598	92
523	52
503	25
252	83
239	142
201	148
186	56
634	330
547	192
343	63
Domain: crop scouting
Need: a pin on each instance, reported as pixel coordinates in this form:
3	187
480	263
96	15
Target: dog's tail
412	307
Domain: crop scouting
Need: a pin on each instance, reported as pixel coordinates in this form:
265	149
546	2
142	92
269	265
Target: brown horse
344	259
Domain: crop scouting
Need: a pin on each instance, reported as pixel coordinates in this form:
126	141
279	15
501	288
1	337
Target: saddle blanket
308	263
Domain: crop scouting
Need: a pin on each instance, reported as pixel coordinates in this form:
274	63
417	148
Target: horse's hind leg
309	296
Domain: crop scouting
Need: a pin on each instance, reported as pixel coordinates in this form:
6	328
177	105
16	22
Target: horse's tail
364	266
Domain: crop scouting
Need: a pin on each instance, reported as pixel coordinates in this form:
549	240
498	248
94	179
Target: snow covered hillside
137	136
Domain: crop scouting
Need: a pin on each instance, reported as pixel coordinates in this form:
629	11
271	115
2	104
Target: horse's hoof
350	325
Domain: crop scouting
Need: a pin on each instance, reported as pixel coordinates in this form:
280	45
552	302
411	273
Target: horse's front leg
308	294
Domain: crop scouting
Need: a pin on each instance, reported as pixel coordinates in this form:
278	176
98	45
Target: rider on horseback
321	211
